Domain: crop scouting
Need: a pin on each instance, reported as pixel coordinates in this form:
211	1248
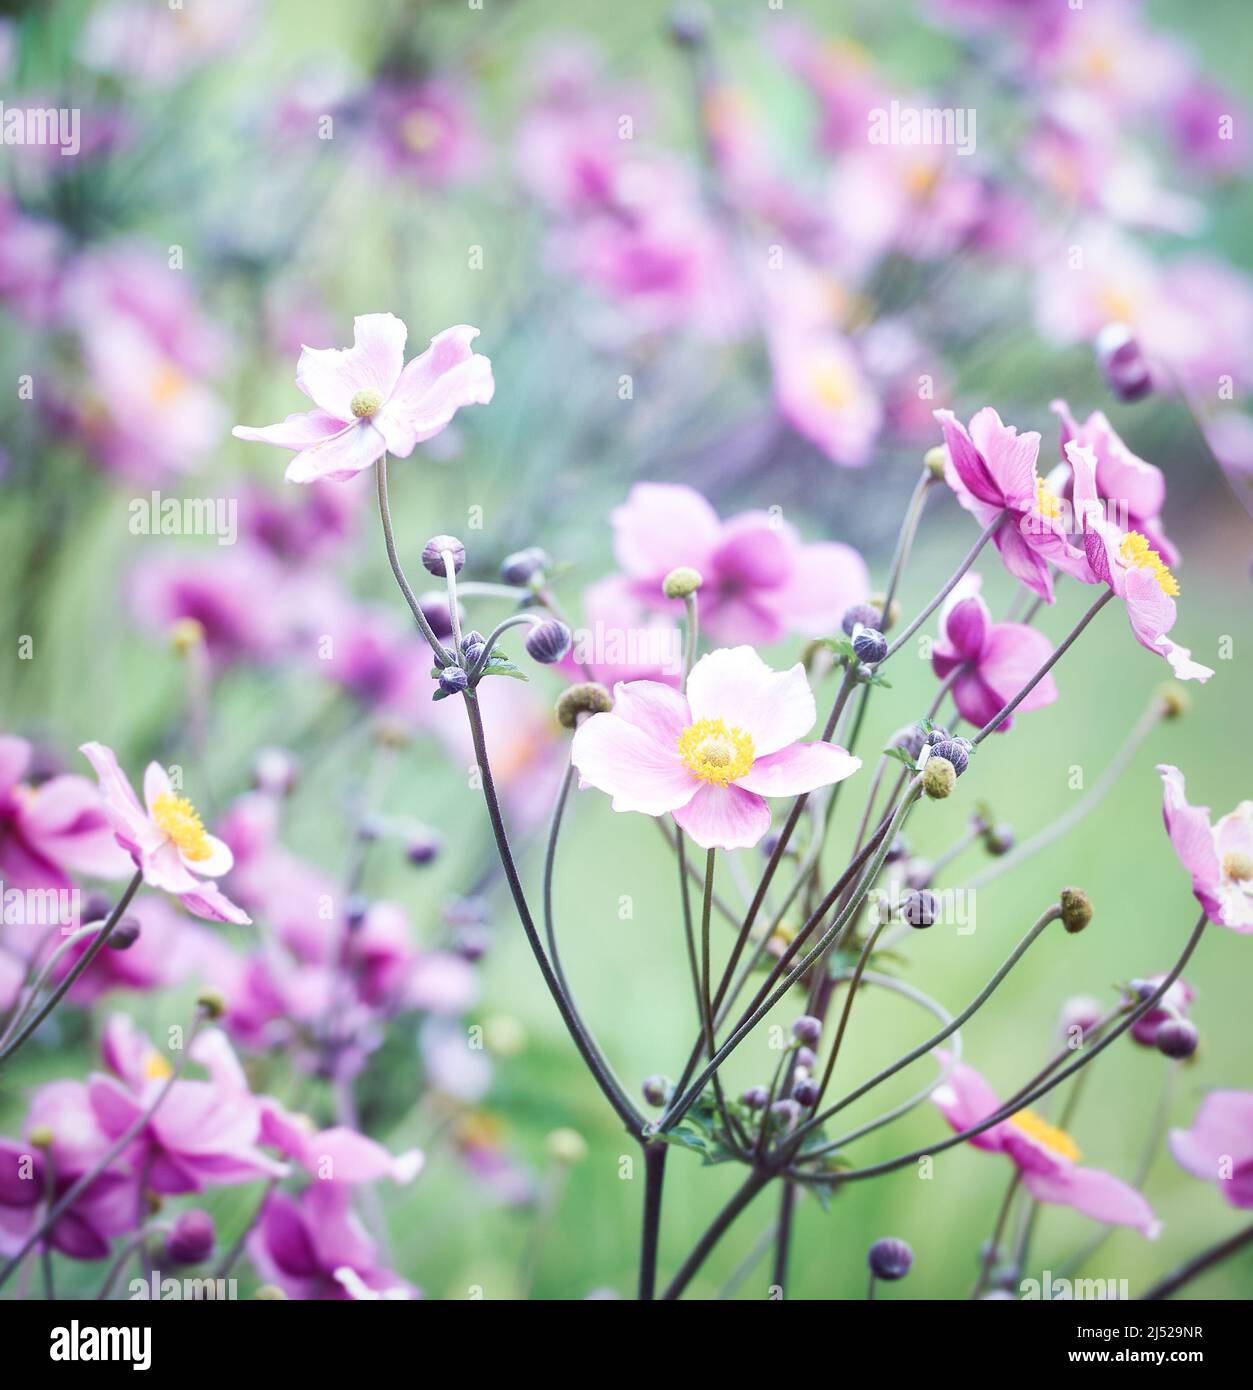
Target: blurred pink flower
1219	1146
165	837
711	757
1173	1004
30	257
1219	857
339	1154
622	639
1047	1157
822	391
368	402
424	130
167	952
159	45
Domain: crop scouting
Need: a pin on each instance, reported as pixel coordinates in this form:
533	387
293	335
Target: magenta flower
1219	1146
711	757
424	130
1047	1157
822	391
995	660
339	1154
165	838
1219	857
1173	1004
53	830
992	468
368	402
760	579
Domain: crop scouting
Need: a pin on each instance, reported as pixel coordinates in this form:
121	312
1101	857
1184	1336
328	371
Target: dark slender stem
905	541
654	1177
1207	1259
783	1239
550	857
756	1180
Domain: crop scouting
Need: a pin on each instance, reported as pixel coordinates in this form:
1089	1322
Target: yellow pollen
1055	1140
167	384
714	752
921	179
420	131
1117	304
156	1068
832	385
177	817
365	403
1238	866
1047	502
1136	553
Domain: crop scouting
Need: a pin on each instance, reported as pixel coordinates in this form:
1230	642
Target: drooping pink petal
339	457
970	468
801	767
301	430
1022	561
433	387
342	1155
966	624
734	684
330	377
965	1099
633	767
208	901
1010	457
1219	1145
661	526
1192	838
724	817
1097	1194
127	817
977	702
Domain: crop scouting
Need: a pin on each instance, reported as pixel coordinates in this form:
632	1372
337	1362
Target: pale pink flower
165	837
368	402
1219	1146
712	756
1219	857
822	391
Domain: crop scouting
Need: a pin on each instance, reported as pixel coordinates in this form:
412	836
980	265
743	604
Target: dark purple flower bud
689	24
769	843
472	645
96	907
191	1238
434	606
920	909
275	771
523	565
125	934
423	846
1122	362
890	1258
657	1089
859	615
1177	1038
870	645
548	642
999	839
805	1093
433	555
933	736
755	1097
805	1057
453	680
472	942
785	1113
807	1030
955	751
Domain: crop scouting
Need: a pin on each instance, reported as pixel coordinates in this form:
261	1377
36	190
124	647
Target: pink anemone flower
165	838
994	660
1047	1157
710	757
1219	857
368	402
1219	1146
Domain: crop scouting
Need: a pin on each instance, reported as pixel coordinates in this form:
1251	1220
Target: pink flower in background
992	468
822	391
165	837
622	638
1210	126
339	1154
30	256
1047	1157
51	831
841	77
1173	1004
424	130
1127	562
161	45
1219	857
760	579
368	402
711	757
995	659
169	951
1219	1146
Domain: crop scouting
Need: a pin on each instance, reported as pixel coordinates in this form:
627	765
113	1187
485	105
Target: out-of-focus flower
167	952
622	638
822	391
1047	1157
368	402
160	46
1219	1146
1219	857
759	580
995	659
1210	126
711	757
424	130
30	256
53	830
338	1154
1173	1004
165	837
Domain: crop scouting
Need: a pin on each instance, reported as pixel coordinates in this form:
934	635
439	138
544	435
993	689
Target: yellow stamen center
1117	304
156	1068
1238	866
715	753
420	131
366	402
168	384
1136	553
1055	1140
832	385
1047	502
177	817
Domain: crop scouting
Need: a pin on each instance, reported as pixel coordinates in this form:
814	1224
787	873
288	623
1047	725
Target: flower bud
689	24
918	873
921	909
125	934
870	645
566	1146
657	1090
755	1097
682	582
423	847
472	647
433	555
890	1258
1177	1038
955	750
355	910
472	942
859	615
1076	909
275	771
191	1238
523	566
434	606
40	1137
934	735
805	1093
897	850
96	907
587	697
548	642
784	1114
1122	362
211	1002
999	839
807	1030
805	1058
934	460
1176	701
939	777
453	680
186	635
1081	1012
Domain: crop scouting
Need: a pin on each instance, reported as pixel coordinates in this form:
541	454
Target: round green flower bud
40	1137
934	459
1076	909
939	777
1175	699
587	697
211	1002
682	582
566	1146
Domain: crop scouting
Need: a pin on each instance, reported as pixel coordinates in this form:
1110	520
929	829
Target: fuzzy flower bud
955	750
548	642
125	934
1176	701
755	1097
186	635
191	1238
433	555
1122	362
1176	1038
523	566
472	645
1076	909
434	606
424	845
870	645
999	839
682	582
805	1093
40	1137
934	460
859	615
890	1258
807	1030
587	697
211	1002
939	777
453	680
657	1090
920	909
566	1146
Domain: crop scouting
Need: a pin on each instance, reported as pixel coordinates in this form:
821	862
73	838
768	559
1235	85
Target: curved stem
497	632
389	539
757	1179
550	857
1207	1259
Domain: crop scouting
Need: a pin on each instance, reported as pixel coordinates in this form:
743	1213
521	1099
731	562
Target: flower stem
783	1239
1207	1259
757	1179
654	1176
389	539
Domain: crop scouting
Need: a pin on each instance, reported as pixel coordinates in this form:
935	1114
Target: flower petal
775	708
330	377
801	767
434	386
724	817
298	431
1097	1194
661	526
339	457
638	771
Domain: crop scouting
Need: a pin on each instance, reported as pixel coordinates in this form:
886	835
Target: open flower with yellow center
712	756
1219	856
1045	1156
165	837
